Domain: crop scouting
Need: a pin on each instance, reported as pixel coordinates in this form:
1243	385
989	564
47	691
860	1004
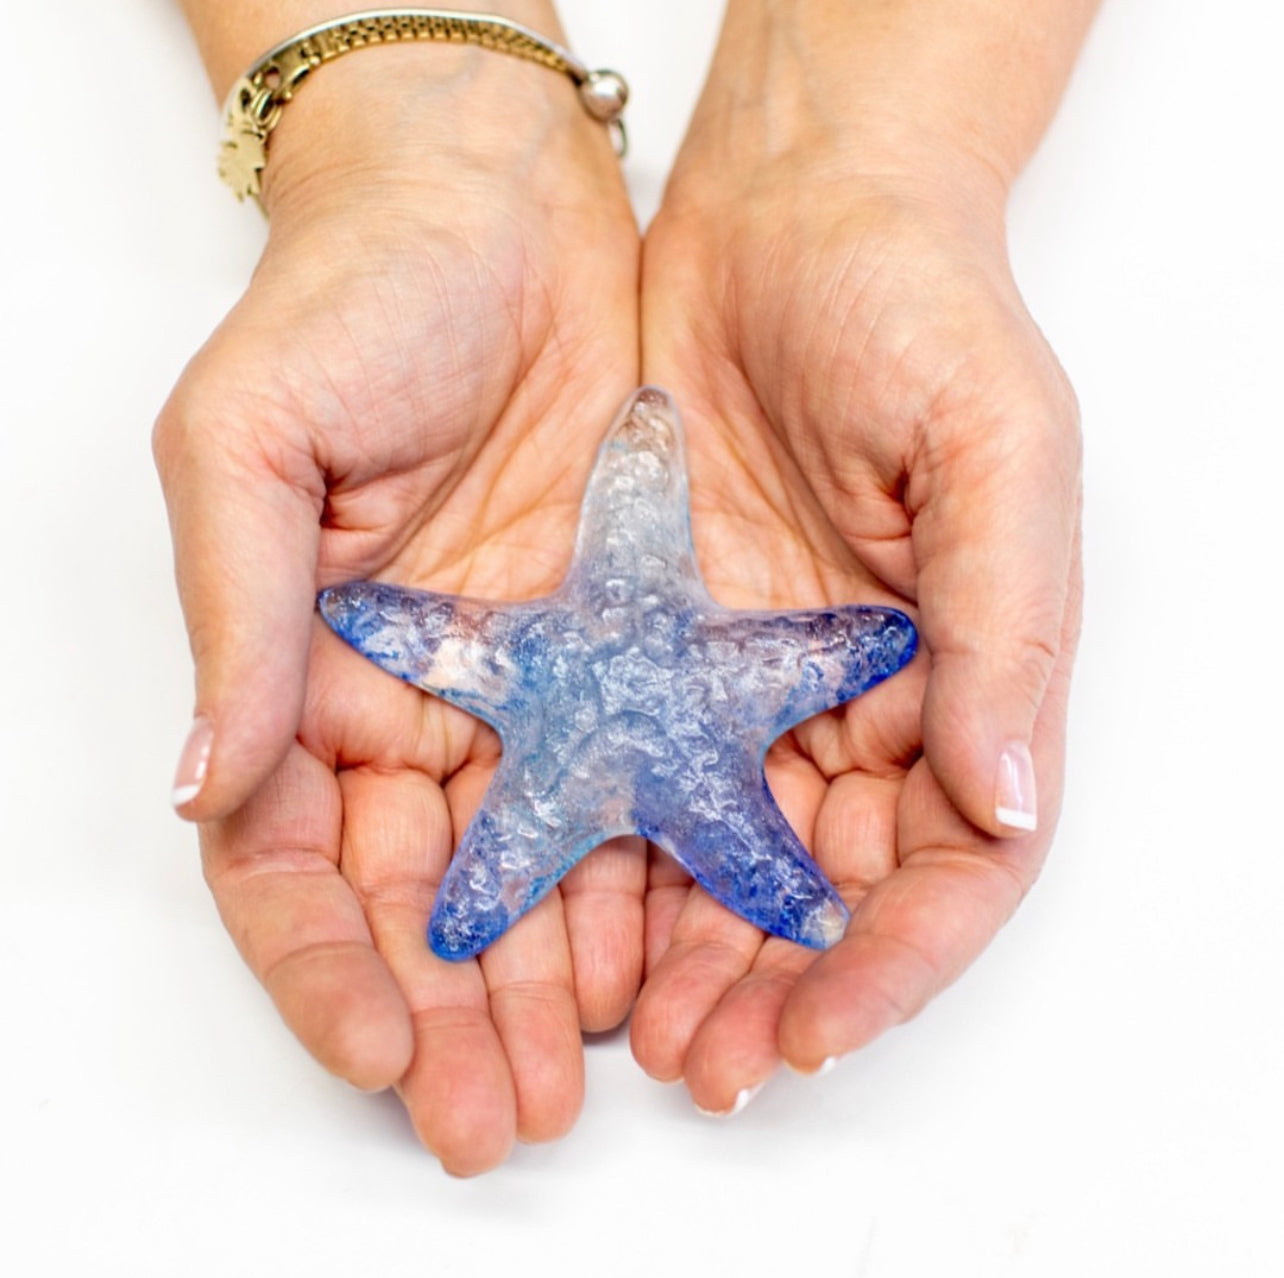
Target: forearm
893	82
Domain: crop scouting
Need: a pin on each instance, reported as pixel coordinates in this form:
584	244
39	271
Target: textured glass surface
628	702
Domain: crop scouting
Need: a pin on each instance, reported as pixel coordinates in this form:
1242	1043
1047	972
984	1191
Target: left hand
872	417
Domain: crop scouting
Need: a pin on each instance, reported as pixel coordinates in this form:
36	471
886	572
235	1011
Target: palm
817	383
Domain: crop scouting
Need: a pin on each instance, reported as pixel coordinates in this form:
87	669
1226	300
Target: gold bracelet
257	99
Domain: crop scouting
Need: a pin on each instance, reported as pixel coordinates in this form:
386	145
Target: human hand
873	417
413	386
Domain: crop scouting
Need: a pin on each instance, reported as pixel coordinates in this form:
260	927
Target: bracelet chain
258	98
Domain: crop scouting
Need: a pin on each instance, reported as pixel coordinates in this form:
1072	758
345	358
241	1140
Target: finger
244	506
459	1089
880	733
709	951
667	887
602	900
531	982
910	936
735	1050
700	951
918	928
993	534
273	870
532	1002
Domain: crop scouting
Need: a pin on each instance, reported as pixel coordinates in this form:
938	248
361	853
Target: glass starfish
628	702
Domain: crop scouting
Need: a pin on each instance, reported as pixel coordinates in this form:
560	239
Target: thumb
245	537
994	539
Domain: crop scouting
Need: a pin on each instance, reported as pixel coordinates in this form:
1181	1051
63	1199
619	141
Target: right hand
442	324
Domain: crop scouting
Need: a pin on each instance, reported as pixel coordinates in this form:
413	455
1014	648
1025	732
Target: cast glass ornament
628	702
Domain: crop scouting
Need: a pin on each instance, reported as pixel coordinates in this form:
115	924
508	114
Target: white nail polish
743	1097
819	1072
193	763
1014	795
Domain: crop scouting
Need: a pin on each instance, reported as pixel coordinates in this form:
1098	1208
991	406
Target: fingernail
743	1097
193	763
1014	799
819	1072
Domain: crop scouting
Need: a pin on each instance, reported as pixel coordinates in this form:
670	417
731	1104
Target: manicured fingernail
743	1097
819	1072
1014	798
193	763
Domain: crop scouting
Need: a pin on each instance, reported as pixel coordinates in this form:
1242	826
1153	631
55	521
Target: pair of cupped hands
451	306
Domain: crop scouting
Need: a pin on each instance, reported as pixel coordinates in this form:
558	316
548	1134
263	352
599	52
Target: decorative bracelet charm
256	101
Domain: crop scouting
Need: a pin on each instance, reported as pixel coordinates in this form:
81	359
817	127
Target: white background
1100	1094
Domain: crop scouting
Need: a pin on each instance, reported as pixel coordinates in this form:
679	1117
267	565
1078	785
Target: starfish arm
734	841
534	824
467	651
785	667
635	523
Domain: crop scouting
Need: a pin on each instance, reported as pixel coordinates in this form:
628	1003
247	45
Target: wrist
948	96
877	179
424	120
414	152
417	86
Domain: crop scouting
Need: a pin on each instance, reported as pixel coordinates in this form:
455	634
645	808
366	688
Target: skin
413	387
827	294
